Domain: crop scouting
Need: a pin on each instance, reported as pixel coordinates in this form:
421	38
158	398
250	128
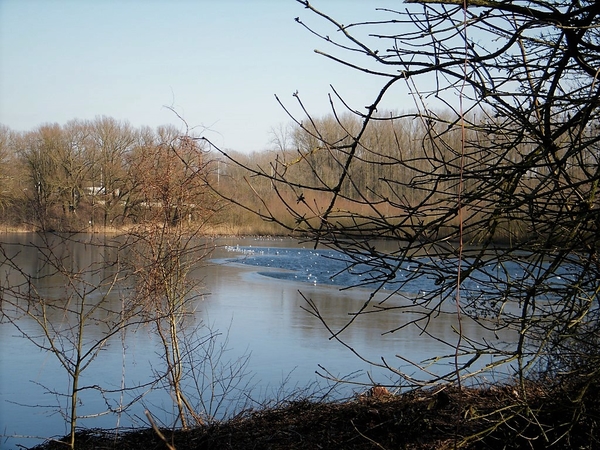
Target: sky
218	64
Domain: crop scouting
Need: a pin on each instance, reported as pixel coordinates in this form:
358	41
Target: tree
174	207
39	148
113	142
58	168
85	289
74	167
11	176
70	295
492	197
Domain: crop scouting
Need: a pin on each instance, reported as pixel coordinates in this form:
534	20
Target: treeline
93	175
400	176
104	173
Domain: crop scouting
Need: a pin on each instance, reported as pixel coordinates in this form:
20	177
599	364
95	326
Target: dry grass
490	418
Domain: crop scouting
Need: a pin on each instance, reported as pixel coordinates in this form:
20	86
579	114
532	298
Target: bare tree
37	151
74	167
12	175
488	185
167	246
114	141
58	170
72	287
71	294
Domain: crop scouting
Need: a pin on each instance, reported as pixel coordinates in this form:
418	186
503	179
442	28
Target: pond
255	295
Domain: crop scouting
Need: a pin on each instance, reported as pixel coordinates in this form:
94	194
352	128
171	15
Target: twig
157	430
367	437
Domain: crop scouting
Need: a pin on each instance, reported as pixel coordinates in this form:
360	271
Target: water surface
254	293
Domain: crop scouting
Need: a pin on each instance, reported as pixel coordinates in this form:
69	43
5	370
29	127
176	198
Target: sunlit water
255	294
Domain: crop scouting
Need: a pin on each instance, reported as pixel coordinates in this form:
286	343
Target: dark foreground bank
539	416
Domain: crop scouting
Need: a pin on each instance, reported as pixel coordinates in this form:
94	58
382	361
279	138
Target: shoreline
445	417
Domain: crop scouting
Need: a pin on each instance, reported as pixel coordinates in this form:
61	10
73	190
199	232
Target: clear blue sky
218	63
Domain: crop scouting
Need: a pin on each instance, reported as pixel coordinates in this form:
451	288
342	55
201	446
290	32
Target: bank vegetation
103	175
491	417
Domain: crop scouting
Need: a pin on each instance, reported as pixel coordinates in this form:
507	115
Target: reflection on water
264	316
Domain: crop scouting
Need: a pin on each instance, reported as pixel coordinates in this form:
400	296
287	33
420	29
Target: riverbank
207	230
495	417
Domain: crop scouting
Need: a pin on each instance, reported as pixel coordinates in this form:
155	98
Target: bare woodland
487	185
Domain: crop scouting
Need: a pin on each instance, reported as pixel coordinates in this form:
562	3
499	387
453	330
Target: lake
254	295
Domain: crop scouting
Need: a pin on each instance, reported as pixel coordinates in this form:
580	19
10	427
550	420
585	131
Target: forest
105	175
